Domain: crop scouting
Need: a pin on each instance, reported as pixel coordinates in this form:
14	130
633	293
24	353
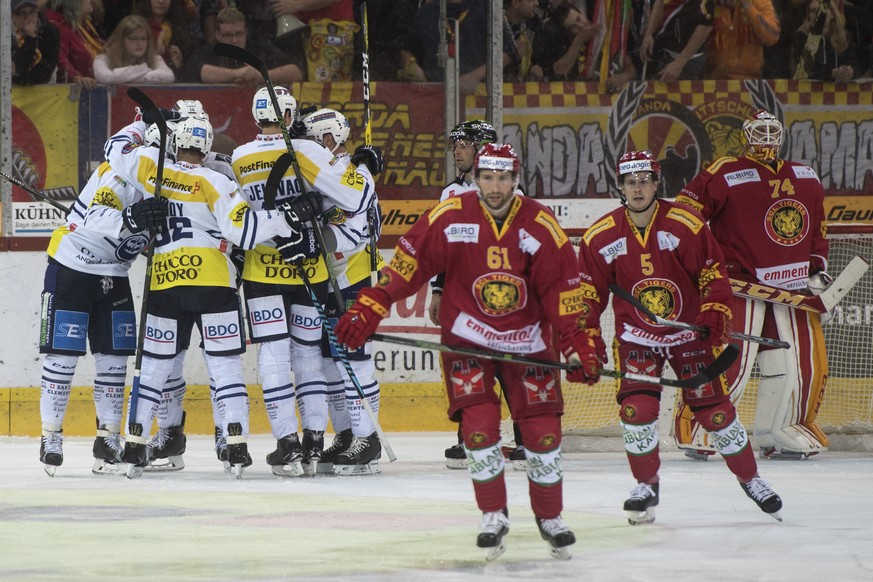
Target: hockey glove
303	246
716	326
581	354
599	344
145	214
363	317
371	156
168	114
307	207
297	129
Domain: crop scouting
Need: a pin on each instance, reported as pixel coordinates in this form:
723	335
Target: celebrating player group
278	238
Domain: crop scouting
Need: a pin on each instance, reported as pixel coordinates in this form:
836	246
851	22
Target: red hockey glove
581	354
717	327
361	320
599	344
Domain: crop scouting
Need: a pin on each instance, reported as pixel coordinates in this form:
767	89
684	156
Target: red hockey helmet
641	161
497	156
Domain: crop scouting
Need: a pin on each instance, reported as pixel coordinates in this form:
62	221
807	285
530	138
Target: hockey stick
627	296
270	190
368	136
36	193
822	303
147	104
704	377
234	52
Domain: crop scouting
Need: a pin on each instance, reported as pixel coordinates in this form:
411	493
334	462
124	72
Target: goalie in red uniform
665	256
768	216
510	272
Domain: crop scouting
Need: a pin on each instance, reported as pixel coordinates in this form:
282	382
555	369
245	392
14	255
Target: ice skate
165	449
237	450
361	458
518	459
558	535
698	455
287	459
51	451
758	490
774	454
220	445
108	451
640	506
341	441
313	449
492	529
456	457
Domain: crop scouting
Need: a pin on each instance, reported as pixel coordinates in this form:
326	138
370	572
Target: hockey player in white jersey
86	294
356	449
193	279
281	316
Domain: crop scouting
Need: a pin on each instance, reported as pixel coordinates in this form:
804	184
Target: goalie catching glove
581	353
716	327
145	214
303	245
361	320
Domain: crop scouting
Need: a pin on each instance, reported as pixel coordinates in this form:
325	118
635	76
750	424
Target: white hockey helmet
262	105
190	108
193	133
762	134
152	136
326	121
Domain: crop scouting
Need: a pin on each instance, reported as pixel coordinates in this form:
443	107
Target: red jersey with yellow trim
503	283
768	221
674	267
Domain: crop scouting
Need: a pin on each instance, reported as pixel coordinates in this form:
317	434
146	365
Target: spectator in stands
419	57
206	67
203	28
742	28
561	48
113	12
777	58
836	57
130	56
859	26
675	38
170	22
521	25
79	41
631	67
388	21
35	45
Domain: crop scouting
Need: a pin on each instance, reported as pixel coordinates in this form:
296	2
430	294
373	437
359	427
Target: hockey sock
481	427
545	465
274	366
336	396
153	377
54	393
639	424
230	390
169	411
109	380
364	371
311	385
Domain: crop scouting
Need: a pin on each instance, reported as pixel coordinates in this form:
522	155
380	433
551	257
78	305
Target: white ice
418	521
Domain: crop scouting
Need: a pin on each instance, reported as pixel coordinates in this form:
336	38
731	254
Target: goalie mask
476	132
194	133
190	108
762	137
327	121
262	106
635	162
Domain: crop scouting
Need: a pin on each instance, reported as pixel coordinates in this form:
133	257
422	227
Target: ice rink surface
417	521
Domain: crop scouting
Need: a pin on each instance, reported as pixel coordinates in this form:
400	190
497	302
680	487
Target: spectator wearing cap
35	45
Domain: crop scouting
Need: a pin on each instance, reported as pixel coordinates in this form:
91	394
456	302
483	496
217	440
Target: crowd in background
166	41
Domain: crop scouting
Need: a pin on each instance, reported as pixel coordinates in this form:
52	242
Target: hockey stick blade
707	375
628	296
278	171
36	193
230	51
822	303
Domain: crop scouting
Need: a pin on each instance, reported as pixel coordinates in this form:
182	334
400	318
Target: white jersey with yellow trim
351	260
207	214
94	239
343	186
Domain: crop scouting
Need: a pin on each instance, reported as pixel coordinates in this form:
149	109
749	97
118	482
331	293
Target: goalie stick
718	367
133	428
627	296
36	193
240	54
822	303
270	189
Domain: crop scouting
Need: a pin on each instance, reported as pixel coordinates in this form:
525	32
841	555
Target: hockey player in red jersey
664	255
768	216
510	270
